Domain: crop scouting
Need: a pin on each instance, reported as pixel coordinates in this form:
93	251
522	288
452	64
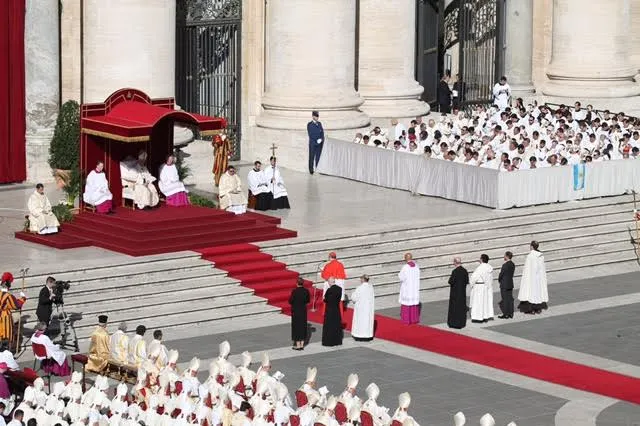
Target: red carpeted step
264	218
254	277
253	267
231	259
61	240
228	250
278	234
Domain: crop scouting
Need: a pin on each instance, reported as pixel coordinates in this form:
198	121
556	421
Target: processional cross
273	149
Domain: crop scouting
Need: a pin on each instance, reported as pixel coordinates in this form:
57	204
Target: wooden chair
40	354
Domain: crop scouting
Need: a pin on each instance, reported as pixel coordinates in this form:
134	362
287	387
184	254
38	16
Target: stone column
519	48
70	51
387	55
42	60
590	53
634	29
310	65
129	43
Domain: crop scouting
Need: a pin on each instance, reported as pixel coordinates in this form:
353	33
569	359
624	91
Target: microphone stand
315	289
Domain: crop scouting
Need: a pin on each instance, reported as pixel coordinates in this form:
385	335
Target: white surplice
169	182
53	351
409	285
533	285
258	183
96	189
7	357
363	311
120	346
41	218
501	95
277	187
138	178
482	292
232	198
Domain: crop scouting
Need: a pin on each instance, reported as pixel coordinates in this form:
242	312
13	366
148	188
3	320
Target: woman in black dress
299	300
332	327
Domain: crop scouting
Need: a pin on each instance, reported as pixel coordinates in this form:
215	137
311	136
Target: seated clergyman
41	218
136	176
96	190
232	198
170	184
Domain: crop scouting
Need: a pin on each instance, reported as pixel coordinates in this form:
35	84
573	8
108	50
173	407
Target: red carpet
162	230
273	281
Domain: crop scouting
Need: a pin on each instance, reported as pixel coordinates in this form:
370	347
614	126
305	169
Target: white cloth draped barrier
476	185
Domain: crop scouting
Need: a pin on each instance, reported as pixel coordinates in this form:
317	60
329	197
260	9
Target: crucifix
273	149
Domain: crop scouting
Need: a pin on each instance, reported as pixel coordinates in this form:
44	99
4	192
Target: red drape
13	167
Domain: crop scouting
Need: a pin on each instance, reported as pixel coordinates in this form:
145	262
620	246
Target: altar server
136	176
120	344
41	218
61	366
8	304
232	199
482	291
276	186
409	298
258	188
363	297
170	184
502	93
96	190
533	294
99	352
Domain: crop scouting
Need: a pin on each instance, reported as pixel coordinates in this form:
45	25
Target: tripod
66	328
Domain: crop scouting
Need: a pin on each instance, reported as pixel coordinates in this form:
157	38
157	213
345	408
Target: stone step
552	219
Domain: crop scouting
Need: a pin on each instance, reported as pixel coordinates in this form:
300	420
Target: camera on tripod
58	291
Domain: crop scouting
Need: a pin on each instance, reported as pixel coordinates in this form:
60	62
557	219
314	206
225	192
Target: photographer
45	301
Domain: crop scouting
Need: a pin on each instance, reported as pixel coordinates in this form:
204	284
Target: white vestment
169	181
501	95
137	350
363	311
7	357
231	196
163	356
533	285
258	183
482	292
53	351
277	187
41	218
120	346
409	285
96	189
138	179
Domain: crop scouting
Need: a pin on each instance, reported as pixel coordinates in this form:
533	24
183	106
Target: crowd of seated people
520	137
230	395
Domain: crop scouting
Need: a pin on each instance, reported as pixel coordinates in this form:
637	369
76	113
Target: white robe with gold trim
41	218
232	197
138	179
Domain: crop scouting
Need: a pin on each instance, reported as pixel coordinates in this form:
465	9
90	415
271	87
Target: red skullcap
333	254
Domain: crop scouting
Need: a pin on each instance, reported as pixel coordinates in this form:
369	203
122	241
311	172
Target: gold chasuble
98	350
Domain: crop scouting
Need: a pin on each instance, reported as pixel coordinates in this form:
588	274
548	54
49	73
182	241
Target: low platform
162	230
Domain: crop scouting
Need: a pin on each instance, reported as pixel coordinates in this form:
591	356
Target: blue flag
578	176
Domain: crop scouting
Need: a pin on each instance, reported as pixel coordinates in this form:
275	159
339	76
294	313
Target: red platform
162	230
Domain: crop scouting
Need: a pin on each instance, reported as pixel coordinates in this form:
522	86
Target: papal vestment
137	178
363	312
41	218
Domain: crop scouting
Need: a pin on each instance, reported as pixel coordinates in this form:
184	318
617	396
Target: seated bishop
136	178
41	218
96	190
259	194
232	199
276	186
170	184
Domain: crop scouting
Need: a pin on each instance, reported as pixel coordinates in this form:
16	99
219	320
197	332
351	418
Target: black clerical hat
315	114
102	319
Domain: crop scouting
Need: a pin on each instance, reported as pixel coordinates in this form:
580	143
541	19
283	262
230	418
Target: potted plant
73	186
64	151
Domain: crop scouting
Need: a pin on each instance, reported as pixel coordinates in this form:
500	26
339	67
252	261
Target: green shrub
73	186
183	170
199	200
63	212
64	151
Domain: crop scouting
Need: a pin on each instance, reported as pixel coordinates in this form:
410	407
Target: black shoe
503	316
477	321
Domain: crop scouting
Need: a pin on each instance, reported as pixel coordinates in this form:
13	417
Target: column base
389	108
297	119
37	150
577	89
524	91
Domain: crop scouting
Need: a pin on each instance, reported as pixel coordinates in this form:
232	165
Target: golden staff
23	271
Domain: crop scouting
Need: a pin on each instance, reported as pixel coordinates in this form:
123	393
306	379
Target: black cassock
332	326
299	300
458	281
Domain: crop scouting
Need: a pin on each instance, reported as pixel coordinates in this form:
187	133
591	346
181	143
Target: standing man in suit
45	301
444	94
506	286
316	140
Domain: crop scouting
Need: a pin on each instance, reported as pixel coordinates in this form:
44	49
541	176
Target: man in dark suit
506	286
444	95
45	301
458	281
316	140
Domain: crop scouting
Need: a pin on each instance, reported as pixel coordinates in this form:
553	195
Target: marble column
590	52
387	55
519	47
42	79
310	65
129	43
634	28
70	50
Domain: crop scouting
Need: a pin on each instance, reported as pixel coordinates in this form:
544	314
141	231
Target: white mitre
404	400
312	373
459	419
487	420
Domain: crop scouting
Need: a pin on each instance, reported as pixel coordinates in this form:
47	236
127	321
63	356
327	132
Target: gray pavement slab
620	414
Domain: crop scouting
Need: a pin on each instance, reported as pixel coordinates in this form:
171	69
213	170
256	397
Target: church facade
266	64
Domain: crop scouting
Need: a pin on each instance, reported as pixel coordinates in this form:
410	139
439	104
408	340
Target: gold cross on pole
273	149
